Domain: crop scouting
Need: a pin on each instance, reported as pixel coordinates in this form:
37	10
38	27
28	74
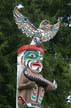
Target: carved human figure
31	84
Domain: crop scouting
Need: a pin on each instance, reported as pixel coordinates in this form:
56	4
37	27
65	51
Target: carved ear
20	58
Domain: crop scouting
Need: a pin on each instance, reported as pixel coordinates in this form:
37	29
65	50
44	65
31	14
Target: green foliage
57	56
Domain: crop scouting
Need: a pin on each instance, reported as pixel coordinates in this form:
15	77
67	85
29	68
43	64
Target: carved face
33	60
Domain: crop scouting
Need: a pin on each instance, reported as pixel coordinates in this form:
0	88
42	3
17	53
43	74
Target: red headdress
30	47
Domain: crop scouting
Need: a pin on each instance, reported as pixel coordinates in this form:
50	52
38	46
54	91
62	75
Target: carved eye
32	55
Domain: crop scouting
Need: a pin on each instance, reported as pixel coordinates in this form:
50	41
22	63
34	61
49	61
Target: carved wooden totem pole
31	85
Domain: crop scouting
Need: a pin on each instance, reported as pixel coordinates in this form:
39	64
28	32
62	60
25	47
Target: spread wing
49	31
44	33
23	23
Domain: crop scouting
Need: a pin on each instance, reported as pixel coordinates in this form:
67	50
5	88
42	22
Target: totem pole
31	85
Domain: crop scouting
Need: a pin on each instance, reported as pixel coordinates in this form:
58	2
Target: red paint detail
22	59
34	93
41	95
30	47
35	64
21	99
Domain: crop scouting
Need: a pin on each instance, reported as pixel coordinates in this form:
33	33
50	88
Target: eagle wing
49	31
23	23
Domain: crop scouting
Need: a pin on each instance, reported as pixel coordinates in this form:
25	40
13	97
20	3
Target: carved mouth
35	64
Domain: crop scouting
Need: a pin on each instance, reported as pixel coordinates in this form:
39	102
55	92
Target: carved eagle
43	33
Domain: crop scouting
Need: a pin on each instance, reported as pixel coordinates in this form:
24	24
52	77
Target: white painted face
33	60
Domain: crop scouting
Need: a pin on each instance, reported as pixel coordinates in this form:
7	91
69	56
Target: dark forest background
58	50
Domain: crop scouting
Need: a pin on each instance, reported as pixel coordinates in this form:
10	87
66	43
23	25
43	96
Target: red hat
30	47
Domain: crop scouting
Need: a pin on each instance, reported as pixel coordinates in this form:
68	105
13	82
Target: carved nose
38	60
